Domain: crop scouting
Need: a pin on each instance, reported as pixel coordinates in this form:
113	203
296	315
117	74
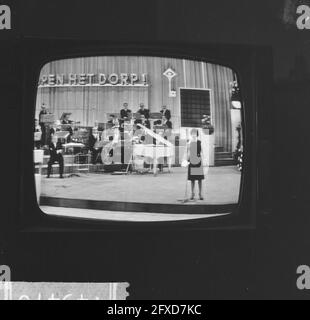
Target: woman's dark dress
195	170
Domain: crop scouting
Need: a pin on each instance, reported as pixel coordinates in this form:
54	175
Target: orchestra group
99	138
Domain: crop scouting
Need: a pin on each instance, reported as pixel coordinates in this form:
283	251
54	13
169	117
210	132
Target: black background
239	264
199	100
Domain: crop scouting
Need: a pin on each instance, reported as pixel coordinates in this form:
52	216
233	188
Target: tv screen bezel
246	61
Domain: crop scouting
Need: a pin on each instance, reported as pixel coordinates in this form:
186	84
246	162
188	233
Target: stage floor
221	186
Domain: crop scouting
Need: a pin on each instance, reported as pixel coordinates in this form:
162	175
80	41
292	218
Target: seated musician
144	121
157	123
37	135
56	149
143	111
166	112
66	119
94	145
164	122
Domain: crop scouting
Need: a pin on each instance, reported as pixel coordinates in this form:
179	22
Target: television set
204	163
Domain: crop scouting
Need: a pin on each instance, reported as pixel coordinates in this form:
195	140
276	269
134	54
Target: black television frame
253	66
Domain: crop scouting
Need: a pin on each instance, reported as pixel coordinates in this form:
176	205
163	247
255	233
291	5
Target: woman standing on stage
195	168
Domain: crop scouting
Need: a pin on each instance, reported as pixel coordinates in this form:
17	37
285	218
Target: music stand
47	119
37	136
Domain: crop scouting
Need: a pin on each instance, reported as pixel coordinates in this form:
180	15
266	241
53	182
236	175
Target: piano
162	149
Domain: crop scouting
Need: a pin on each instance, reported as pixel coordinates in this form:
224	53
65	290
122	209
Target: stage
142	193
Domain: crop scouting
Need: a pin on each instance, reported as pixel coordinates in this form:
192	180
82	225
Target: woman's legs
193	189
200	189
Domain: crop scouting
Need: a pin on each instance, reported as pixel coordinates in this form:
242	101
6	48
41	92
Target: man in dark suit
166	112
126	115
56	149
143	111
125	112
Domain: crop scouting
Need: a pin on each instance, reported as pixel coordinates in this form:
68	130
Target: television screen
138	138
